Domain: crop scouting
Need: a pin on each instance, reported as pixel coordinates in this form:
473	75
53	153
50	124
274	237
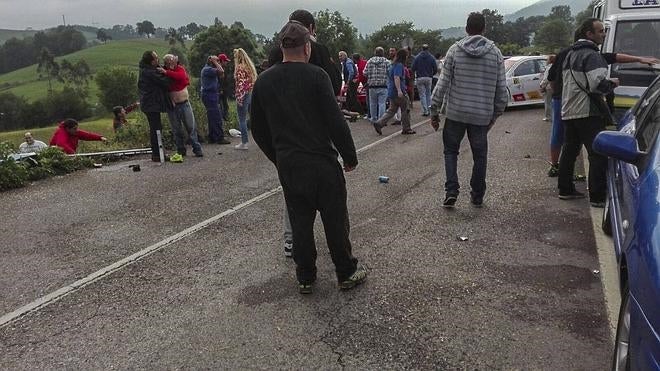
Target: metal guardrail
125	152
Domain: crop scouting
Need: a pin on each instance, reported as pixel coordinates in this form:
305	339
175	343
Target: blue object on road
632	218
383	179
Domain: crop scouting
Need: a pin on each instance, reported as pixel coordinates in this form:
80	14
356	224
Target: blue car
632	218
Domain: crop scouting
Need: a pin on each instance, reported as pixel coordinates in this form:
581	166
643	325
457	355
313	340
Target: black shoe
355	279
396	123
409	131
477	202
598	204
378	128
449	201
571	196
199	154
223	141
288	248
305	288
553	172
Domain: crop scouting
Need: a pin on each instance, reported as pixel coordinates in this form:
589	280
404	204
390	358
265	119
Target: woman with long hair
245	75
397	94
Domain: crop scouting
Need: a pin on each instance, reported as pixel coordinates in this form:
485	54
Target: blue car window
647	116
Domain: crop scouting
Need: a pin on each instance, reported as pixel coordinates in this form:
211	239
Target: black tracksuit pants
312	185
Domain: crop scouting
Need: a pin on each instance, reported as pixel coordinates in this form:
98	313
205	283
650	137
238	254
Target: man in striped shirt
472	94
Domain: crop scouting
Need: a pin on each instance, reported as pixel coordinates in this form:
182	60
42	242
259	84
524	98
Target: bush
66	103
50	161
117	87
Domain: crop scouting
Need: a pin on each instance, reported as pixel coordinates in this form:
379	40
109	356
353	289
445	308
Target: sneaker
477	202
288	248
571	196
546	119
553	172
449	201
579	177
305	288
199	154
177	157
241	146
355	279
378	127
223	141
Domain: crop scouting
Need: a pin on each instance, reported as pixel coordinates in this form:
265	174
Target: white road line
114	267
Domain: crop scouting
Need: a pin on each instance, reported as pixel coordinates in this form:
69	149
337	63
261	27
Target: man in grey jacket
472	94
585	83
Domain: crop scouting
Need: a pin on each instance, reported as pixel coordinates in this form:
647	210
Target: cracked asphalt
518	293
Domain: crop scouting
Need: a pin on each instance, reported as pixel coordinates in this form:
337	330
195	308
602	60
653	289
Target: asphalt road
519	293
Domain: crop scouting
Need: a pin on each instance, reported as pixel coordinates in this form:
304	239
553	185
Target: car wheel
621	359
606	223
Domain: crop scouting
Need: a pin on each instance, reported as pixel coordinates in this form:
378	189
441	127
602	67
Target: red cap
223	57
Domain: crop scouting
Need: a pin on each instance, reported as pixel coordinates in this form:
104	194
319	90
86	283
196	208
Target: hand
615	81
104	140
490	125
400	94
435	122
348	168
649	61
160	70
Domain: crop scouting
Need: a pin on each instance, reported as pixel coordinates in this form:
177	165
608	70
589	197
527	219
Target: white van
633	27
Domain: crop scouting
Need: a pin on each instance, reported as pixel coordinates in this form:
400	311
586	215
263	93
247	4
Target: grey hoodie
472	86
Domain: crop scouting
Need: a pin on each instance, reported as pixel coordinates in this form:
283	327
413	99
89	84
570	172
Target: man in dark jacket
585	83
320	54
424	67
154	98
298	126
319	57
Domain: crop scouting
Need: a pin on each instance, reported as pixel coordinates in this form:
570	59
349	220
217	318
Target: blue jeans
424	89
452	135
377	99
557	136
182	115
214	117
242	116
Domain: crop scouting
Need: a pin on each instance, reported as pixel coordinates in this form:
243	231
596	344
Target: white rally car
523	78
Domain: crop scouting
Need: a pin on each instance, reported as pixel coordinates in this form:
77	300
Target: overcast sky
261	16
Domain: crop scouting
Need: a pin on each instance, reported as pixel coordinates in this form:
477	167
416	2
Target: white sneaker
242	146
288	248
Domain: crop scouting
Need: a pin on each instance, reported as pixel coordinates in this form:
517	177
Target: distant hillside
25	82
544	7
453	33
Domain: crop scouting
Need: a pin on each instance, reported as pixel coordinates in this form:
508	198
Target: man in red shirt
181	114
67	135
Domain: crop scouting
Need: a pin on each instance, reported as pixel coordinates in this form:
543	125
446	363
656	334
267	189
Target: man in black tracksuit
297	124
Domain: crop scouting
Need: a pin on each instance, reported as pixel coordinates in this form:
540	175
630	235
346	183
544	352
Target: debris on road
462	238
383	179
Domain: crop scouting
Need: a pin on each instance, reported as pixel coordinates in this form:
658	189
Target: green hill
544	7
26	82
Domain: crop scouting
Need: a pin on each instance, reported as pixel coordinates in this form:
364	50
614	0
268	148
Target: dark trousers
452	135
214	117
155	123
312	185
351	98
224	106
576	133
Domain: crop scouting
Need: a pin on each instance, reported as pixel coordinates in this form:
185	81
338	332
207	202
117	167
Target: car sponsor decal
518	97
534	95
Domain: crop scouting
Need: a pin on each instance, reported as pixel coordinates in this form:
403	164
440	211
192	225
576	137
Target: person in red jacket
67	135
181	114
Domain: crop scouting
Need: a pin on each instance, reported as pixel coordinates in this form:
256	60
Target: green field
26	82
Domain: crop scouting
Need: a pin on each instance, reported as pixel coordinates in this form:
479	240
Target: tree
102	35
145	27
335	32
47	65
173	36
554	34
495	29
561	12
75	74
116	87
391	35
587	13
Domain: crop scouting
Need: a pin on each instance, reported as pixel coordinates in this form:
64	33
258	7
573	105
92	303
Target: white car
523	78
